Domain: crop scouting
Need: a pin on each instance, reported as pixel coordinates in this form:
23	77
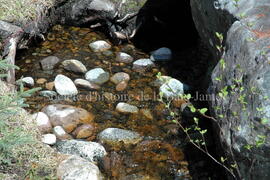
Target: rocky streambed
99	103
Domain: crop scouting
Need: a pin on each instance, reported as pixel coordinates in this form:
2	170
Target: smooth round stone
172	88
74	66
142	65
84	131
47	93
64	85
41	81
107	53
123	57
99	46
121	86
49	62
147	113
27	81
49	85
60	133
116	136
119	77
69	117
77	168
90	151
97	76
161	54
43	122
49	139
82	83
126	108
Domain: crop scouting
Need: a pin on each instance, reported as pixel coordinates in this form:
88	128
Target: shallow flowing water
159	156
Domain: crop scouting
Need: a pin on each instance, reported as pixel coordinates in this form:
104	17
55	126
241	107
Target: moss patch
23	10
32	160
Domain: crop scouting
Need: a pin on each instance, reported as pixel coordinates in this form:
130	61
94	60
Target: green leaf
203	131
203	110
192	108
196	120
175	121
222	159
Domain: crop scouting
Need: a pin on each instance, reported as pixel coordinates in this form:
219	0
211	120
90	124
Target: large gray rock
240	84
90	151
77	168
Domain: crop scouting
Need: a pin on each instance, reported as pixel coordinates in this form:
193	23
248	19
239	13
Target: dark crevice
170	24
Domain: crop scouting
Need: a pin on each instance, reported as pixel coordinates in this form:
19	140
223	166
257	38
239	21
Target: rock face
116	136
65	86
90	151
77	168
69	117
240	83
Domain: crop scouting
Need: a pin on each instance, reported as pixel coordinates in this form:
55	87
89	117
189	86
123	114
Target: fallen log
12	35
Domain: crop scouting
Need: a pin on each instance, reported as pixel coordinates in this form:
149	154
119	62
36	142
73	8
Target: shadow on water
170	24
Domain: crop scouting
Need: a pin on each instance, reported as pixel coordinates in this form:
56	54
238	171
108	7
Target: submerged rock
126	108
123	57
74	66
142	65
161	54
77	168
82	83
121	86
119	77
69	117
64	85
49	62
41	81
116	136
99	46
97	76
47	93
172	88
90	151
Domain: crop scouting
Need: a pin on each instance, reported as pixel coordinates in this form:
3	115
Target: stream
160	155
